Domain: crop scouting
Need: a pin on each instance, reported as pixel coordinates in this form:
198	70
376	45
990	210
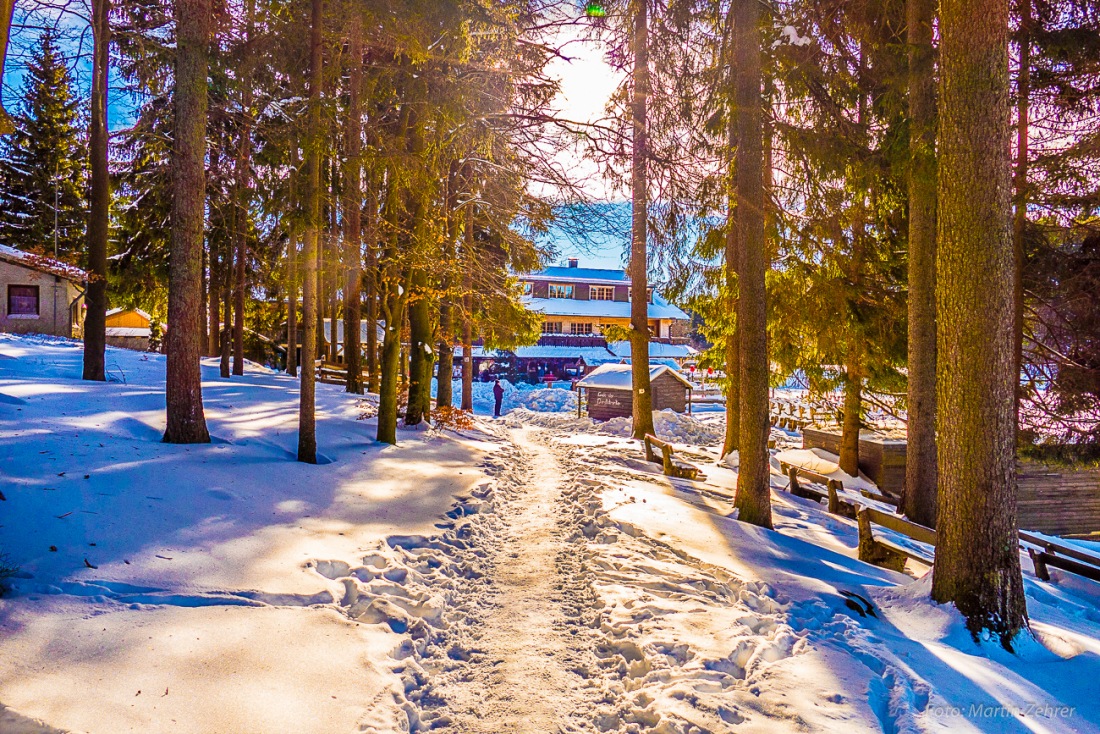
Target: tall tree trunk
421	357
467	360
7	8
319	269
1019	221
186	422
444	394
292	303
642	402
853	407
467	315
353	207
753	477
225	333
242	197
977	556
733	352
337	271
921	483
393	310
307	419
239	262
95	323
213	317
391	365
372	287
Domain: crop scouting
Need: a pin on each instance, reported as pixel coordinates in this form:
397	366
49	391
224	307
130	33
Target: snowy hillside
535	575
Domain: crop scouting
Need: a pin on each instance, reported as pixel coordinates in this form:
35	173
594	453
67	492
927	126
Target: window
561	290
576	328
648	292
23	301
551	327
601	293
526	287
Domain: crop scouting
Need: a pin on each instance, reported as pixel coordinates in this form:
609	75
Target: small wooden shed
607	391
129	328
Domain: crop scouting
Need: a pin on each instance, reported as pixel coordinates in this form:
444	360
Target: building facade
40	295
576	301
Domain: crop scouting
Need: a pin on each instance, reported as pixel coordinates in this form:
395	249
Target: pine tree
977	556
45	161
183	394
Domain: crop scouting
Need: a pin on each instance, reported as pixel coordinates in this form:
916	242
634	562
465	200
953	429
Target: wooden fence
1059	501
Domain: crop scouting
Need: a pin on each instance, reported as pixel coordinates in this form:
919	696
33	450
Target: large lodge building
577	305
578	301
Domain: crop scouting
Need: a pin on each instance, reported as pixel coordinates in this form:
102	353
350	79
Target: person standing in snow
498	397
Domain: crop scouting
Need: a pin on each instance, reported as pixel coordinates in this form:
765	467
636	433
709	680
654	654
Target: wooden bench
831	493
1060	556
669	464
882	551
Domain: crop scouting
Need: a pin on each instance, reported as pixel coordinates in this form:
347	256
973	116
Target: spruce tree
45	161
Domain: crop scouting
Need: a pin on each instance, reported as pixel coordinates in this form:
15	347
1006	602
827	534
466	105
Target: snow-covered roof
590	355
129	331
659	309
579	275
620	377
657	350
42	264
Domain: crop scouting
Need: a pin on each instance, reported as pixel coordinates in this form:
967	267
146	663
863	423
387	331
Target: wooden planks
1058	501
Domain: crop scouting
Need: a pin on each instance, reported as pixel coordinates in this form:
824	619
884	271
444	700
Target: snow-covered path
532	574
520	682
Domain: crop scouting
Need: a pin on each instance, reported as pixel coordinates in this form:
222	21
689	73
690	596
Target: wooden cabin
607	391
129	328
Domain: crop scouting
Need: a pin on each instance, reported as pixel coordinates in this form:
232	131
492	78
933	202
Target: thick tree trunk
853	409
1019	221
307	419
639	298
292	303
921	483
186	422
353	207
977	557
95	323
753	477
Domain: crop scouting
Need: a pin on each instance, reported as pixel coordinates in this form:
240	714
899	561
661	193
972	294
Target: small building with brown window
606	392
40	295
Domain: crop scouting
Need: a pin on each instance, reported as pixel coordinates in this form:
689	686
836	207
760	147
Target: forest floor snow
532	575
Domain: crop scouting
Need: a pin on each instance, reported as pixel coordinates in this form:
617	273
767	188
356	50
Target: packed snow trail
519	683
